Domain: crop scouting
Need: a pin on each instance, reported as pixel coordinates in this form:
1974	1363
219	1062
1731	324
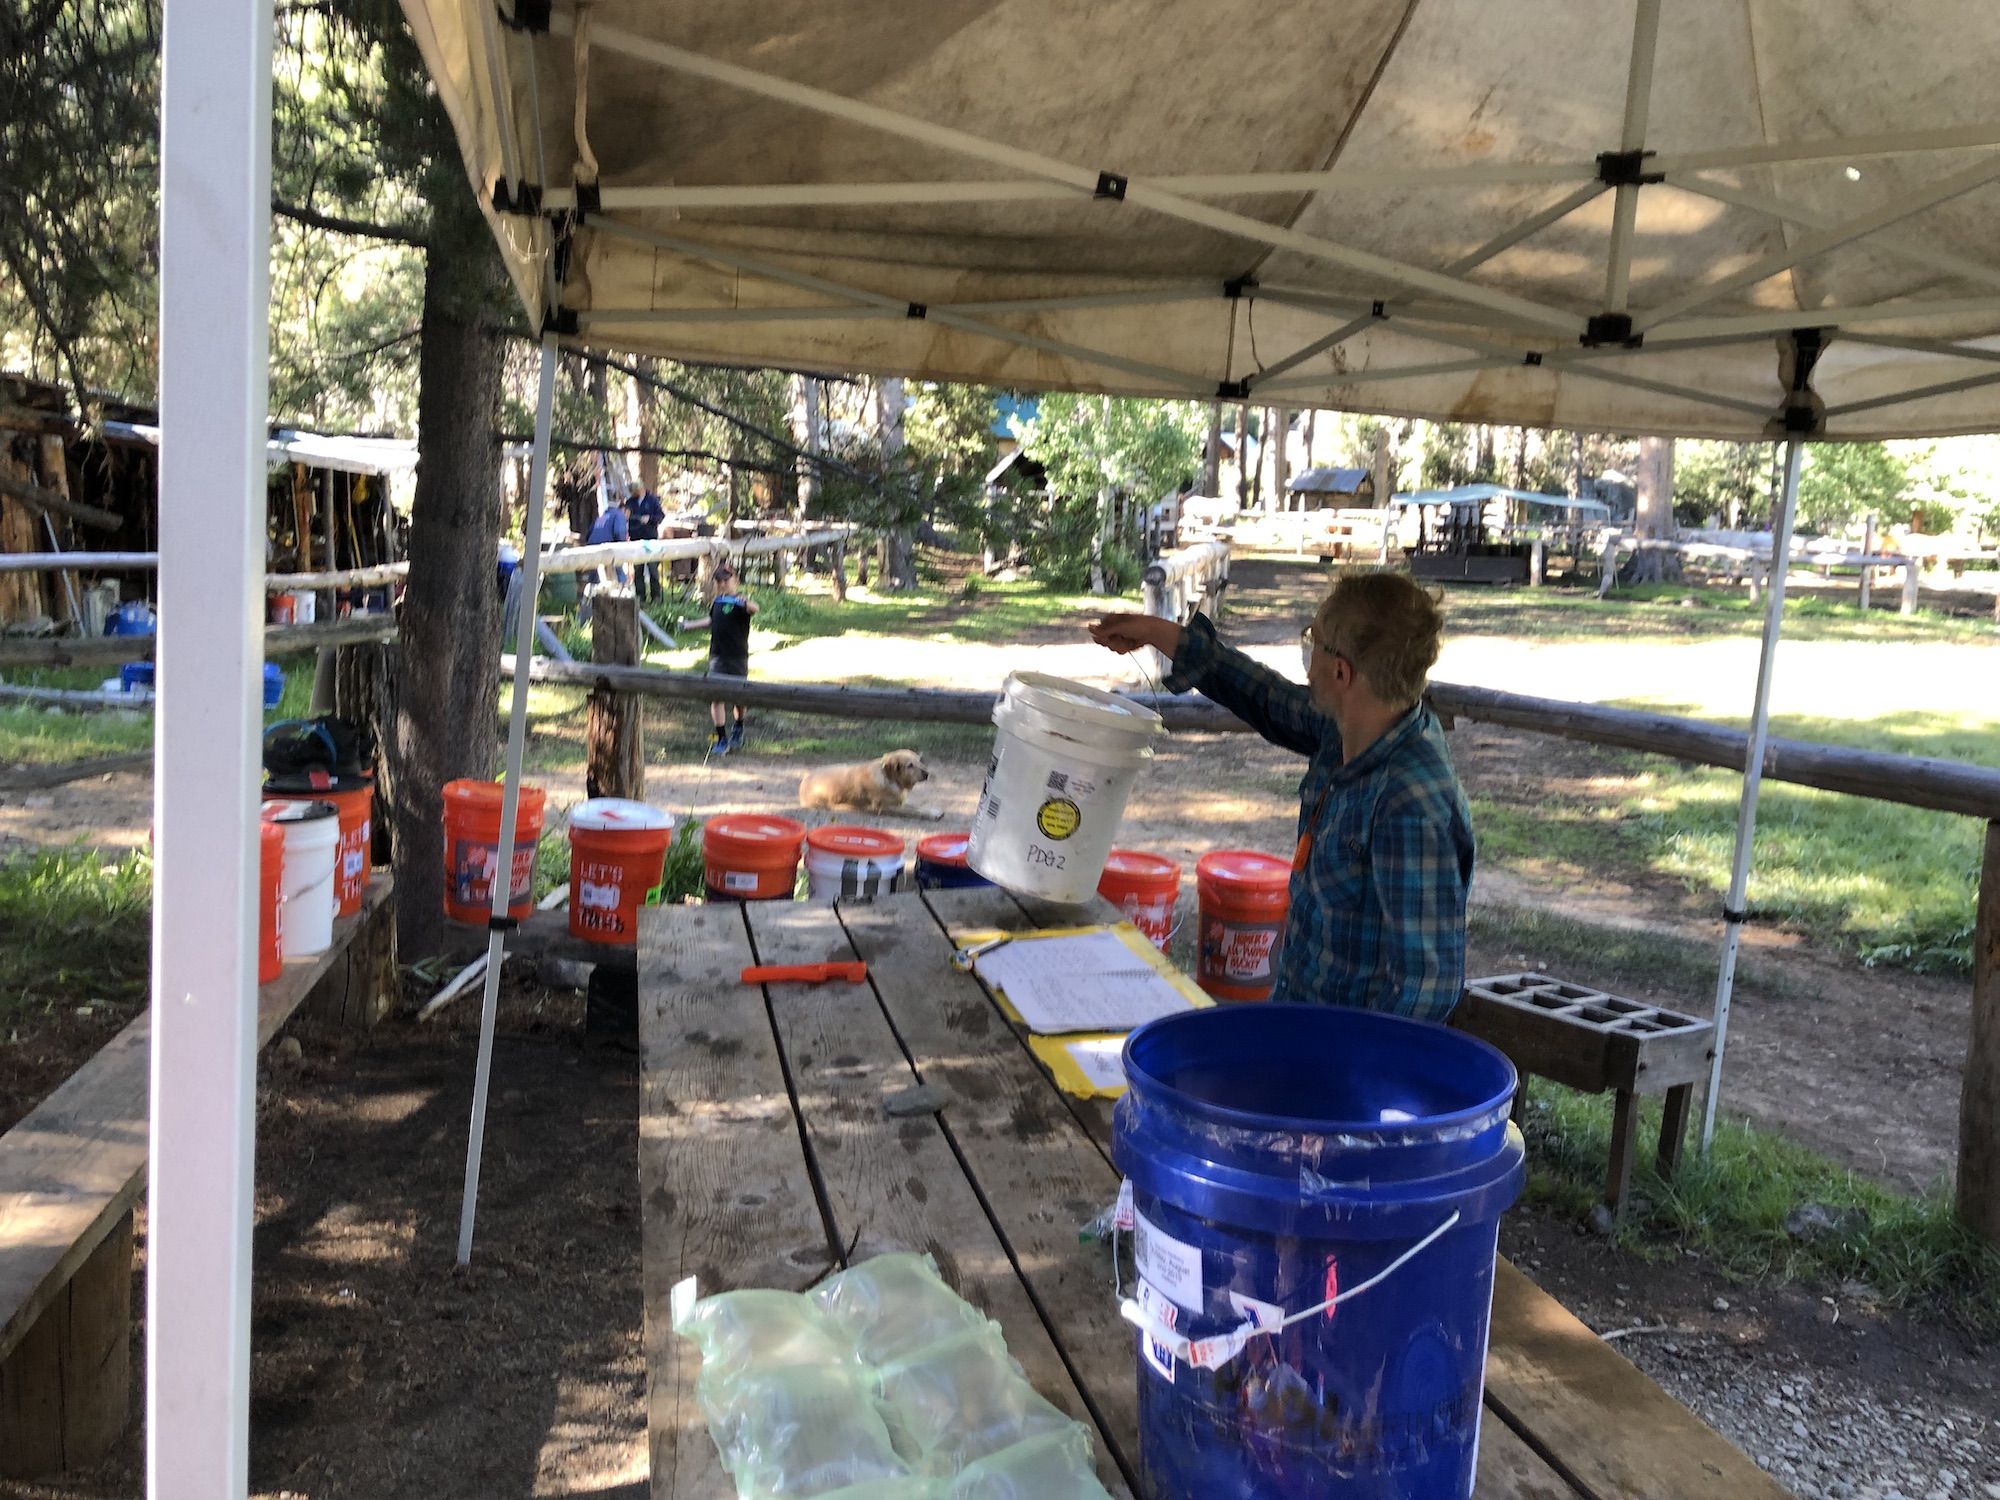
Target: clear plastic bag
894	1305
963	1398
892	1489
1055	1467
800	1432
741	1332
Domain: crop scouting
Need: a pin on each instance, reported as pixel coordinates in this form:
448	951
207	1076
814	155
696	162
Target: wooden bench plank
71	1169
1041	1175
1602	1423
725	1191
897	1184
1510	1470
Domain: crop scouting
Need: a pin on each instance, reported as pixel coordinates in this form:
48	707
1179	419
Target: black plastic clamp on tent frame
1802	414
1626	169
529	15
524	200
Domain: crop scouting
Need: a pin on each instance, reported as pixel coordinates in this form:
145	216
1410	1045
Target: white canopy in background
1406	194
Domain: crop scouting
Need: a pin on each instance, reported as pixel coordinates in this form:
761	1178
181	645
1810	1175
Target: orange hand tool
852	970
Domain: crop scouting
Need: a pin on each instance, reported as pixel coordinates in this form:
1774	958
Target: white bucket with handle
312	840
1064	761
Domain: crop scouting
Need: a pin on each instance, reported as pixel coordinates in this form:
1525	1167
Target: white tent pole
1753	780
1638	106
1820	241
1089	180
1506	240
1793	213
1912	311
1849	148
215	197
510	797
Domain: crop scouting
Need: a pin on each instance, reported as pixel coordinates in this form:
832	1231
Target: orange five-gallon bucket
271	901
1244	897
751	857
617	850
472	849
353	797
1145	887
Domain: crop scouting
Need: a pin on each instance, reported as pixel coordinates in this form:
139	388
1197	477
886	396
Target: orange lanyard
1304	851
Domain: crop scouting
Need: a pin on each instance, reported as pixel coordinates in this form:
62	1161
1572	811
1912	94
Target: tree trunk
1242	464
1312	431
814	442
1257	468
1281	460
899	567
1383	470
1211	453
1576	466
1520	480
649	425
1656	487
450	620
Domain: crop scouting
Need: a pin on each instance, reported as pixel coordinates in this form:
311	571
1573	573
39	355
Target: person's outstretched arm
1276	707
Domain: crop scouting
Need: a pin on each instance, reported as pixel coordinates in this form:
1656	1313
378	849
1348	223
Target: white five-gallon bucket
312	839
845	863
1064	761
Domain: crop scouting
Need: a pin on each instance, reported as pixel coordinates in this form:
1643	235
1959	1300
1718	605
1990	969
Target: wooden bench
70	1173
1589	1040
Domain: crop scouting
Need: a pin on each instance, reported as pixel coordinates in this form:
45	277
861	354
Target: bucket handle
1217	1351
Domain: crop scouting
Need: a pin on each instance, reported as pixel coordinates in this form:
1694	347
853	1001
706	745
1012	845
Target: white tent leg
1753	778
214	268
510	800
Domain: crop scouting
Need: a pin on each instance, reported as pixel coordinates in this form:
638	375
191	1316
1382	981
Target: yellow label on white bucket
1059	818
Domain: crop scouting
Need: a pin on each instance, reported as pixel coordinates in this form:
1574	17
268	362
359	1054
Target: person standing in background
728	652
644	515
611	525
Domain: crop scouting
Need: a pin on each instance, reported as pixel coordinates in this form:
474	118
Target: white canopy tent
1731	218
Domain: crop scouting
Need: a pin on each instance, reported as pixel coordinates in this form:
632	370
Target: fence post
1867	551
1912	580
1979	1100
614	766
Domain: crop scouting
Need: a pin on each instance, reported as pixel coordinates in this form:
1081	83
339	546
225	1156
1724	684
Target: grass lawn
1731	1206
1687	612
78	929
1889	884
37	734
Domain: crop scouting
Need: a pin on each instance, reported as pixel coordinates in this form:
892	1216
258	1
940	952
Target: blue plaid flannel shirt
1378	914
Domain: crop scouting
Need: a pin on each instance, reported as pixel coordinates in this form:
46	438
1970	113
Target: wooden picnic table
779	1140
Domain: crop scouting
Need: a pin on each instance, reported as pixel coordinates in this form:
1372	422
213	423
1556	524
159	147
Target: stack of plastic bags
880	1384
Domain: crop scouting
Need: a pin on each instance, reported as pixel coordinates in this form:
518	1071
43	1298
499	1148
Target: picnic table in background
788	1130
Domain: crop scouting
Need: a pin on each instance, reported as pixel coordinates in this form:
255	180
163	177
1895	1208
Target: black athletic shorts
721	666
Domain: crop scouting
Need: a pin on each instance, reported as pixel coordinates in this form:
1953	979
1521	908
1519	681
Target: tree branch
397	234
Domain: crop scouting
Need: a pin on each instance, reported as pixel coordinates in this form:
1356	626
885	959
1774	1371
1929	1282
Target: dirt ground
380	1371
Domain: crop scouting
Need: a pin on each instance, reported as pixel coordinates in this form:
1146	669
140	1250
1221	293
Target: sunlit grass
78	928
1731	1207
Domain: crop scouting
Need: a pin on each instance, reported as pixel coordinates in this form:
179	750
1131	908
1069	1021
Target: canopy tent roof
1479	494
1450	209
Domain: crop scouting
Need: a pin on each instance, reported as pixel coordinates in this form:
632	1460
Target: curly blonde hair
1387	627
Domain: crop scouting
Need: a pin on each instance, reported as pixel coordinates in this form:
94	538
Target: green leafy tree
1091	445
1842	481
1726	480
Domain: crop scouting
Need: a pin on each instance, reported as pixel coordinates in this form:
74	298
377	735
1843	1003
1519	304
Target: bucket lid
943	848
484	795
1079	703
755	828
850	842
618	815
1243	867
298	812
1141	864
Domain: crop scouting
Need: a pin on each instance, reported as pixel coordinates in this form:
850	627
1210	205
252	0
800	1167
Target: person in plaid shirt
1384	857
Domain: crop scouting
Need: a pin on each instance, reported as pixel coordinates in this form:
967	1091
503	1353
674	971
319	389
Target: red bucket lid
1243	867
944	849
1142	865
850	842
758	830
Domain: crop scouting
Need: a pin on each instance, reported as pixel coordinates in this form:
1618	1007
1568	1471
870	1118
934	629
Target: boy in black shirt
728	651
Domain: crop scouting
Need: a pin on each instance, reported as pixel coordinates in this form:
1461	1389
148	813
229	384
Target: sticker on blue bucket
1285	1161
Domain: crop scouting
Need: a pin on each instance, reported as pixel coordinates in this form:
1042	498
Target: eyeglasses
1308	643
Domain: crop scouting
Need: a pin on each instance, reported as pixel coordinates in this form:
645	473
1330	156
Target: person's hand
1126	633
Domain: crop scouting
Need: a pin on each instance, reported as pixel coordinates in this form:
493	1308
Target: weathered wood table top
768	1157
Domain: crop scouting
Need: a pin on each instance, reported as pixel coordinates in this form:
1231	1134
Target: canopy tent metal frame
215	195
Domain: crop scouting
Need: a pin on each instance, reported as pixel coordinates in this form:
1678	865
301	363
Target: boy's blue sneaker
736	735
721	745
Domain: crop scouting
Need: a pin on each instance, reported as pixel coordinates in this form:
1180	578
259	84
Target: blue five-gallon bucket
1283	1155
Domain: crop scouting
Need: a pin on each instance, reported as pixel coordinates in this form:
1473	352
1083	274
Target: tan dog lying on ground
877	786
